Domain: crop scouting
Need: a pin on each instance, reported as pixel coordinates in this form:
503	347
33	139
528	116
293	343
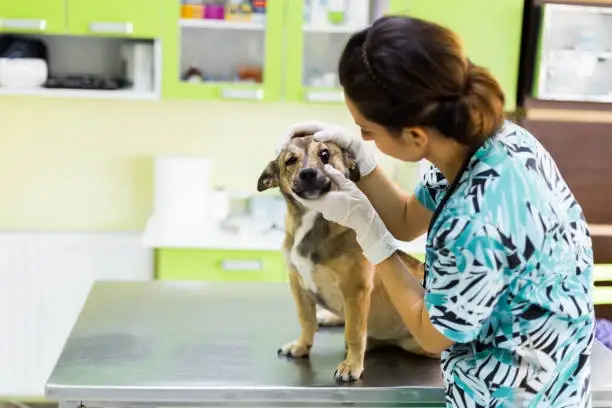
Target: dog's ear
353	169
269	177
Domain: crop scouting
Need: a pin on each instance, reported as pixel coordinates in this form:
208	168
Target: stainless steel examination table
153	344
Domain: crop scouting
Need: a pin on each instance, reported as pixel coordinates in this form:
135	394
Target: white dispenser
182	190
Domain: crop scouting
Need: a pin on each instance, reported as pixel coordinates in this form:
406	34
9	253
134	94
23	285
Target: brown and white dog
326	264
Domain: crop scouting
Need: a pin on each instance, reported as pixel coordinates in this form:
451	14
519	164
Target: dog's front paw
295	349
348	372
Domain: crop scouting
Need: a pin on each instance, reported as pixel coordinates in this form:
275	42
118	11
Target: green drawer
220	265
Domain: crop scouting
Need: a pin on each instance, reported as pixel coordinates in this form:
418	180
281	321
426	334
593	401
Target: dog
327	268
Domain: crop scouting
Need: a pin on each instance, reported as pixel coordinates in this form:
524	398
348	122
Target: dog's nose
308	174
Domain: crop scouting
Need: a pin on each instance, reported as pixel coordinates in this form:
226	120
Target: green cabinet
224	265
109	18
314	48
491	32
34	16
223	59
220	265
298	59
124	18
288	55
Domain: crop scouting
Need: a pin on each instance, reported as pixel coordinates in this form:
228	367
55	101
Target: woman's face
410	145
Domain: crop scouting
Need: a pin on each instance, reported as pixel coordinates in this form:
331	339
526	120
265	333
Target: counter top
192	235
162	343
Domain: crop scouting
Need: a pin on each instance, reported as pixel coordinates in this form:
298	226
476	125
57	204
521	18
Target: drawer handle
314	96
248	94
109	27
241	265
22	24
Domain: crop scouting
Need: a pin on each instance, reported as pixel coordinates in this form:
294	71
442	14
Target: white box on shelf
23	73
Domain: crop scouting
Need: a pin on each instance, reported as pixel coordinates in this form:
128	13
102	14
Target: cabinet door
491	32
316	36
213	52
34	16
121	18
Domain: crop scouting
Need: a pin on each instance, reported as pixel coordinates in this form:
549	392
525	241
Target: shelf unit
312	57
228	60
86	38
96	56
295	56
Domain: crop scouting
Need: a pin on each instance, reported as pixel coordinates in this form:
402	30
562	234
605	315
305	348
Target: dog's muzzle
311	183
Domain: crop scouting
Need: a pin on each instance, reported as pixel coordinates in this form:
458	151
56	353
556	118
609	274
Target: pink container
214	12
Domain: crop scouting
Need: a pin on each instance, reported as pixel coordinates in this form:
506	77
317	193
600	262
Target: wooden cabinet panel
583	152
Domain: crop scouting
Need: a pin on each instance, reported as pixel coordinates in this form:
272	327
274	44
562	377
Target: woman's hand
324	132
349	207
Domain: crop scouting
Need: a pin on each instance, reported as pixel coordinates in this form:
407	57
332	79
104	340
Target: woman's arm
403	214
466	278
407	295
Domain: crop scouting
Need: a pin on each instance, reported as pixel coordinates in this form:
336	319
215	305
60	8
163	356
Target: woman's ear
415	136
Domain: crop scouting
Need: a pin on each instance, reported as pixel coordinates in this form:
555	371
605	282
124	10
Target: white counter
200	236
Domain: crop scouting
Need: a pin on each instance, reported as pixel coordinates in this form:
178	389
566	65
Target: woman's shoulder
513	144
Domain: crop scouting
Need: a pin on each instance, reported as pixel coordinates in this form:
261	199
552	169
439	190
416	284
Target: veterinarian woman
507	290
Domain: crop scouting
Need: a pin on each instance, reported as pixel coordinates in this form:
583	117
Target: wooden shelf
601	230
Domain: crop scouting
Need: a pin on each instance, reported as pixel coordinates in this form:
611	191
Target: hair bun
484	100
452	117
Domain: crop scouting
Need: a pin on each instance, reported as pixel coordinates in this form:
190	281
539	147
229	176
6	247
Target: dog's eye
324	156
290	161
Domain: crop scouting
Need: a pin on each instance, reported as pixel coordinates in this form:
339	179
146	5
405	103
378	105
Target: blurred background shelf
85	93
309	28
221	24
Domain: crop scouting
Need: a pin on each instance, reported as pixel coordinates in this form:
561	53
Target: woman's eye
324	156
291	161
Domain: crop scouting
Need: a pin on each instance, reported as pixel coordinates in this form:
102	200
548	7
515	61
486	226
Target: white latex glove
325	132
351	208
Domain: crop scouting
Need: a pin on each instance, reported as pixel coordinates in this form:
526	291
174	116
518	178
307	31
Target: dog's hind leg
410	345
373	343
306	310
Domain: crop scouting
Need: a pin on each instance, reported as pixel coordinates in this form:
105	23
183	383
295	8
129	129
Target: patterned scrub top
509	279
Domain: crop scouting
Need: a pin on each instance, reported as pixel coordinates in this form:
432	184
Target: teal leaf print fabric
469	255
432	188
509	264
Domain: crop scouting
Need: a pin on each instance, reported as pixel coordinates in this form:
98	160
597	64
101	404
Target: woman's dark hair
404	71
